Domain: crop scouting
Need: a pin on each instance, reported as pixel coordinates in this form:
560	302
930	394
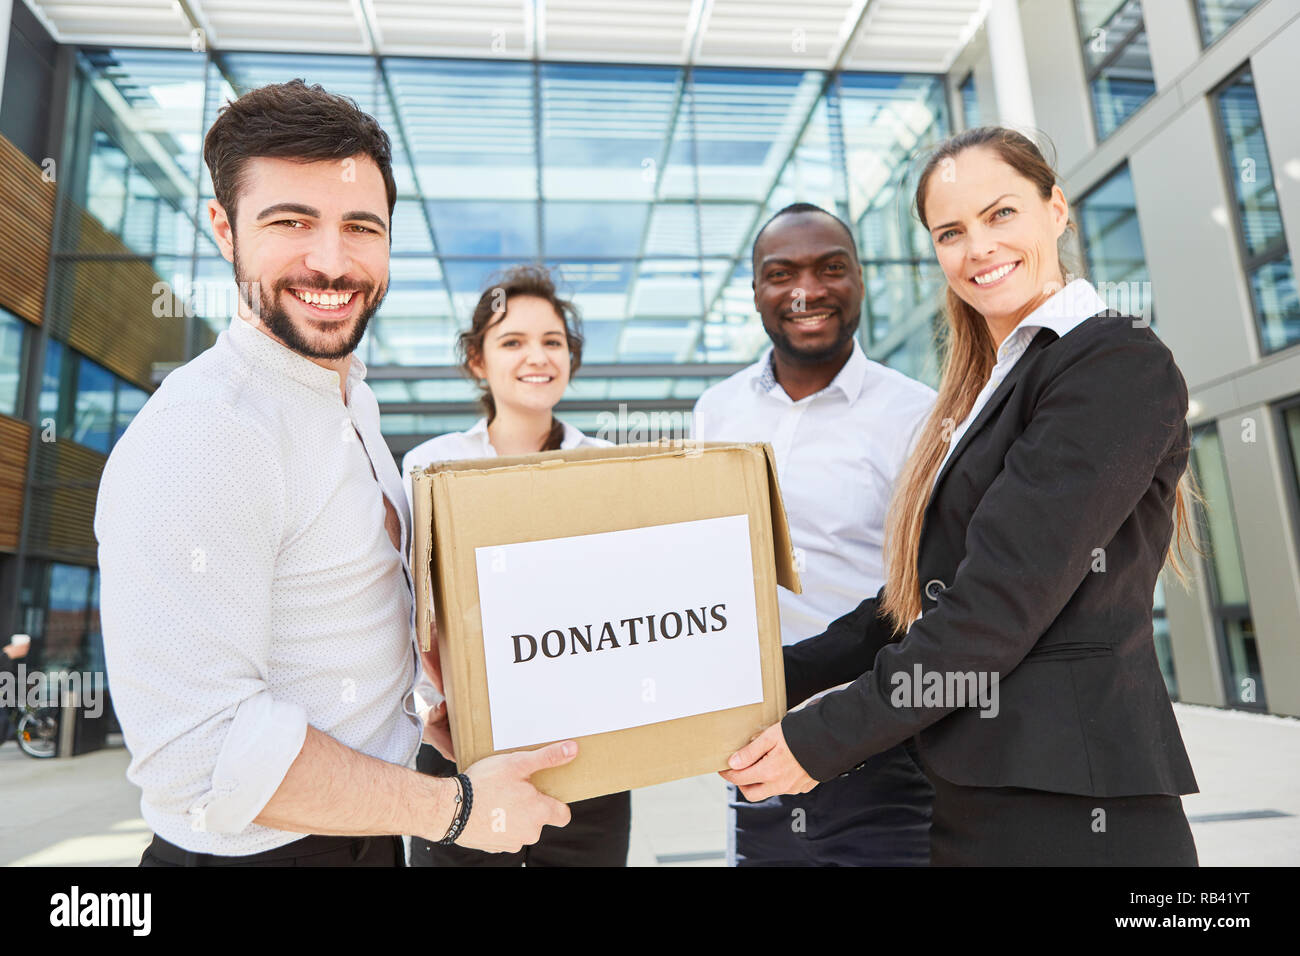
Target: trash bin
80	732
91	733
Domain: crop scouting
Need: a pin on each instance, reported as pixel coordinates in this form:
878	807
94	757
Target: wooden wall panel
104	308
62	502
14	436
26	224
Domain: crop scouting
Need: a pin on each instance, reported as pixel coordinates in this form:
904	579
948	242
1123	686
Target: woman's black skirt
1011	826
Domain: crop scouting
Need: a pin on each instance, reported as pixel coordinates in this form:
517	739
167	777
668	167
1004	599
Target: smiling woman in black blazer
1025	538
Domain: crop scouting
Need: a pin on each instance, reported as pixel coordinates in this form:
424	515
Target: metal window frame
1197	6
1083	238
1092	72
1250	263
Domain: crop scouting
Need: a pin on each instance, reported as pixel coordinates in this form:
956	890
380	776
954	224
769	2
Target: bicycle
35	729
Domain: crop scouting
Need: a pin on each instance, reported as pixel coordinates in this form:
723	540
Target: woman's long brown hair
967	359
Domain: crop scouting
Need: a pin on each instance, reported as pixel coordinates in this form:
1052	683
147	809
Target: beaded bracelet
464	803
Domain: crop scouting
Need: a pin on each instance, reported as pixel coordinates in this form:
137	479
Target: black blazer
1080	448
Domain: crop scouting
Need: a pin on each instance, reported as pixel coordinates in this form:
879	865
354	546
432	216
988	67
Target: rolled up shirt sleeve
190	517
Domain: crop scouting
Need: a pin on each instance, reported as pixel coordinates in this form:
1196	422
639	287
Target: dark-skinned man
841	427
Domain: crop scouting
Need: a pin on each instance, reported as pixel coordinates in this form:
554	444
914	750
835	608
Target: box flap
422	517
787	573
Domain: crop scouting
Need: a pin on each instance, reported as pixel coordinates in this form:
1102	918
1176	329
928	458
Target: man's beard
268	310
781	342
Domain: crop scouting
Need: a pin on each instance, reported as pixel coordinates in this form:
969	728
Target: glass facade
1116	59
13	338
1216	17
59	607
1265	256
1112	245
82	400
641	185
970	107
917	354
1225	574
93	412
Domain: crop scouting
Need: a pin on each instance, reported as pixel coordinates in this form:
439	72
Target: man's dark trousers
309	851
597	834
878	815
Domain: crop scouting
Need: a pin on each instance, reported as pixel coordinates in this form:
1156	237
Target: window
93	425
970	107
916	356
66	631
59	608
1229	601
1116	60
1112	244
54	388
140	178
13	335
129	402
106	183
85	401
1216	17
1265	257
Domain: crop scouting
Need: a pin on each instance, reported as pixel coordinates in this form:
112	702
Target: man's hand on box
509	812
437	730
765	767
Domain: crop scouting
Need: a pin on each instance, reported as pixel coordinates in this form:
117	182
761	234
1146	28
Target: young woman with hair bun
523	345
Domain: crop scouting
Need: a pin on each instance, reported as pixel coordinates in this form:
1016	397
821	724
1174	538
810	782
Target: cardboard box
469	514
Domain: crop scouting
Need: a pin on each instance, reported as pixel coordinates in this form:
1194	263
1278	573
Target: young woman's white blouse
475	443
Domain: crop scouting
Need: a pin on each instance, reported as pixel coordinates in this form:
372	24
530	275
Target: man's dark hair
800	207
291	121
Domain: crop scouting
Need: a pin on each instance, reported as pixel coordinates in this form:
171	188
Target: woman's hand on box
765	767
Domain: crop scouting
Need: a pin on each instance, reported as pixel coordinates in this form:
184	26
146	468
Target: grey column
1173	39
1056	79
1010	70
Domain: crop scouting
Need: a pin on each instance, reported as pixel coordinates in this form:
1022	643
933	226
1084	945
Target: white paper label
601	632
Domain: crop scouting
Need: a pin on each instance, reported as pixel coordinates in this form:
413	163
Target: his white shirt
838	454
249	587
